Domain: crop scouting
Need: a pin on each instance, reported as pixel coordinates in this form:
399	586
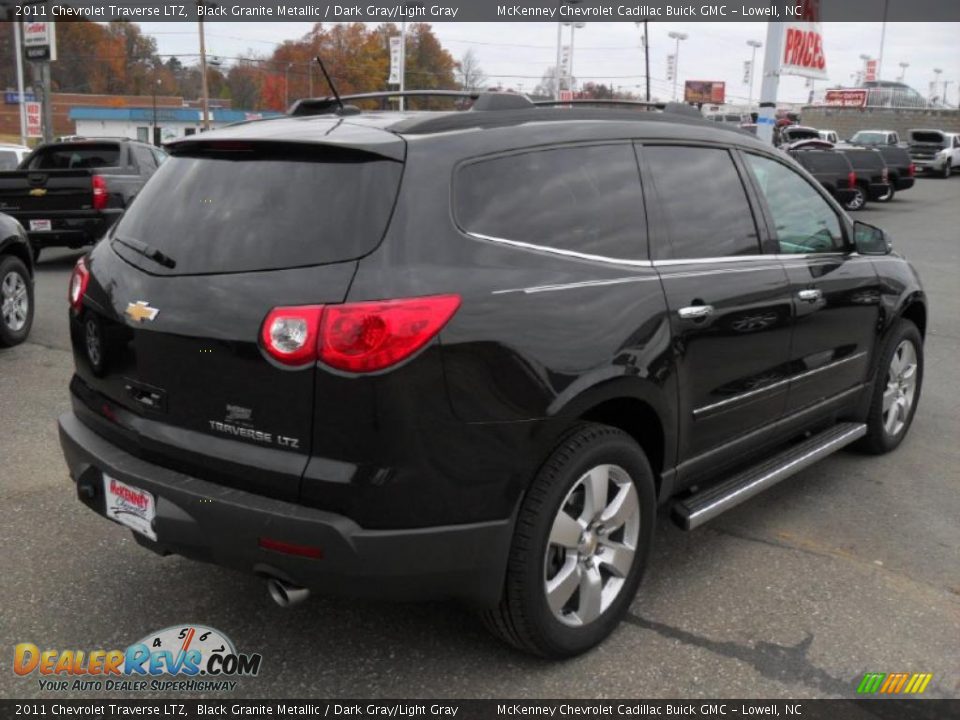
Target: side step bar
694	511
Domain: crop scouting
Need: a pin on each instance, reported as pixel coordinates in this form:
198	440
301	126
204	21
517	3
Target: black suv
467	354
833	171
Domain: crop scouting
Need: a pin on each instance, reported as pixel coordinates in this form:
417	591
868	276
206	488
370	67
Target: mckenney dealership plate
39	226
130	506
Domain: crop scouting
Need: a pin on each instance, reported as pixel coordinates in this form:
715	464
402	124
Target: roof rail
481	101
677	108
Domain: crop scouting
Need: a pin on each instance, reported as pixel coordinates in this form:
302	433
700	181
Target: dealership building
137	123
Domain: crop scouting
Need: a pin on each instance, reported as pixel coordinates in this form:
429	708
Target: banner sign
846	98
871	75
704	91
396	46
34	119
803	44
671	67
13	97
747	71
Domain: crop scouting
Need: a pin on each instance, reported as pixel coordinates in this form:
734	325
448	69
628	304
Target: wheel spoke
565	531
889	395
618	557
595	484
591	595
560	588
623	507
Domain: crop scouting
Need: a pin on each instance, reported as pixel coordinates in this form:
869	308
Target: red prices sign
34	119
803	50
846	98
871	73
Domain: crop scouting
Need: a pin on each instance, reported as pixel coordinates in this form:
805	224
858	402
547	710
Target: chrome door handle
810	294
695	312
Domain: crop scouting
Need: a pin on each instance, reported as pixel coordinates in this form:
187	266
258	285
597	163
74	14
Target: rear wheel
857	201
16	301
580	546
888	196
896	389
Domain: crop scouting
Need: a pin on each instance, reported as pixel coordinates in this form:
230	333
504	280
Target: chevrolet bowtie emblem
140	311
38	192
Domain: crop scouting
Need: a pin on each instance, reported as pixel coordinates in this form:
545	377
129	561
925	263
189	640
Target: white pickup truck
935	151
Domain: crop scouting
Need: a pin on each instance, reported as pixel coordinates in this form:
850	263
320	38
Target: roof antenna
330	83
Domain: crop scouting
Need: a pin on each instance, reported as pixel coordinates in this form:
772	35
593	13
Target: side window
703	202
159	155
585	199
804	221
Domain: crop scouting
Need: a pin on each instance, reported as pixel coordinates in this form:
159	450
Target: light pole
154	138
754	44
205	102
945	84
573	27
936	72
556	74
903	71
678	36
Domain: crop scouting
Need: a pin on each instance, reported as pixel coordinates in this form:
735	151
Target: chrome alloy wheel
901	390
857	201
16	304
592	545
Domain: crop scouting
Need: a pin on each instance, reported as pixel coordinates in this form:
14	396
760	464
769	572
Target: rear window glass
8	160
261	209
824	162
586	199
75	157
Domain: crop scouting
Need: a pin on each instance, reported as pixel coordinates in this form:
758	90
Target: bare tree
469	73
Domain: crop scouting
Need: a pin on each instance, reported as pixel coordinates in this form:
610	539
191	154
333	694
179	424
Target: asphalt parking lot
852	566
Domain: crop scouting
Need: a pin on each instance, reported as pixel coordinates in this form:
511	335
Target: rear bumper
904	183
212	523
878	190
68	230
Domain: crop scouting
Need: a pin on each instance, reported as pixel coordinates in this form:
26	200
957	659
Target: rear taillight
290	334
356	337
371	336
886	175
851	179
912	170
99	186
78	284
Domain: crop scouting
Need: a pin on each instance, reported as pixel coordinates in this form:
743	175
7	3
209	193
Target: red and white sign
34	113
846	98
40	41
803	44
871	74
566	95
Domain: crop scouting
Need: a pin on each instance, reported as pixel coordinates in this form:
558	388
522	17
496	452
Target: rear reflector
912	171
307	551
851	179
100	196
78	284
355	337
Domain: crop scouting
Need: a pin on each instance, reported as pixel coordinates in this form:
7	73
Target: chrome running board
694	511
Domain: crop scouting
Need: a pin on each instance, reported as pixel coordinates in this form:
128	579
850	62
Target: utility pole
403	62
205	102
754	44
22	108
883	37
556	74
770	83
646	55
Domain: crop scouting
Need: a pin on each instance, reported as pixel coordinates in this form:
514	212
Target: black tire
947	169
523	618
13	266
889	196
878	439
858	201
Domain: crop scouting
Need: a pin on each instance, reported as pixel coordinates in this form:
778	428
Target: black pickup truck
68	194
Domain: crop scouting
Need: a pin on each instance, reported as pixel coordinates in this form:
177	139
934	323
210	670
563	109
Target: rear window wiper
147	251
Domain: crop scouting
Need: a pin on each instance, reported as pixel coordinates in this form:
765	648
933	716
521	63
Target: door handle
810	294
695	312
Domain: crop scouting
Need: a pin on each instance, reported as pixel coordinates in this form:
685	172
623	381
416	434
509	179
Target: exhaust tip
284	594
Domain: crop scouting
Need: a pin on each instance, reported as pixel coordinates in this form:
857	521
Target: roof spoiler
482	101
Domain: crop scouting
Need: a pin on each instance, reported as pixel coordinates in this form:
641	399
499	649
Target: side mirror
870	240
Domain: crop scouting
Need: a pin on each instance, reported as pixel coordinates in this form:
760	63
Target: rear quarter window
8	160
584	199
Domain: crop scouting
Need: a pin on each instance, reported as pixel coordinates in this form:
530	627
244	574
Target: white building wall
137	130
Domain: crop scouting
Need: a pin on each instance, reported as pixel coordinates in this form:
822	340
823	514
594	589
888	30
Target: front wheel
896	389
857	201
580	546
16	301
947	169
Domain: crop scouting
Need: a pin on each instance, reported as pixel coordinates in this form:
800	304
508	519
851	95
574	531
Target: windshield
869	138
261	209
75	156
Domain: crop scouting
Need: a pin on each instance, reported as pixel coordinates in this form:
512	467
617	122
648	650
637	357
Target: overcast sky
517	54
